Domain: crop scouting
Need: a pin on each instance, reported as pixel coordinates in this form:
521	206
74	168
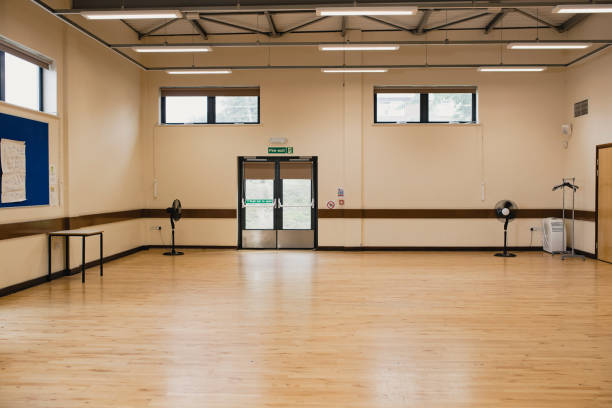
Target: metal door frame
277	190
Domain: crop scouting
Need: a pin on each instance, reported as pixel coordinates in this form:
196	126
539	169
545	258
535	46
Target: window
186	109
398	107
181	106
21	75
21	82
424	105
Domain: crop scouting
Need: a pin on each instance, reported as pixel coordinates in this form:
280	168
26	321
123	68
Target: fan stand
505	254
173	252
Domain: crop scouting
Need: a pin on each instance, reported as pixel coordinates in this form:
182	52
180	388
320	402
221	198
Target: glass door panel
297	204
259	204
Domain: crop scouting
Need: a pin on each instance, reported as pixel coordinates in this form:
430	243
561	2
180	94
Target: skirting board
73	271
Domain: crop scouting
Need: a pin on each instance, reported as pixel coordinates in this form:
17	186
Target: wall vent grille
581	108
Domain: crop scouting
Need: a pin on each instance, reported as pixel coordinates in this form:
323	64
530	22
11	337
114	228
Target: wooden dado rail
26	228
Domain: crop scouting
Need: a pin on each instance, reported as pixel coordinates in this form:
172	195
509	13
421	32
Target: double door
277	202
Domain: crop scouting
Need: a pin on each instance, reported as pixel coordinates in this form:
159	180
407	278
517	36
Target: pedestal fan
505	211
175	213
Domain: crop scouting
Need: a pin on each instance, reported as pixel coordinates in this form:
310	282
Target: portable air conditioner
553	239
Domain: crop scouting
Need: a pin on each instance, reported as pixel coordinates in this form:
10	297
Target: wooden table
75	233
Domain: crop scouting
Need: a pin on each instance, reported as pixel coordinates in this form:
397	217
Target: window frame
424	106
41	76
211	103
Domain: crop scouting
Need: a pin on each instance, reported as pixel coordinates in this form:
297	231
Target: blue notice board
35	134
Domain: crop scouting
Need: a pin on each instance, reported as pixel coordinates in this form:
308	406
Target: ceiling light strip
548	46
169	48
353	70
367	11
583	8
510	69
358	47
130	14
199	71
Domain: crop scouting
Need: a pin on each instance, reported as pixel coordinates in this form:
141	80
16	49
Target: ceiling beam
378	20
588	54
317	43
495	21
420	29
84	31
274	32
204	6
266	67
131	27
158	27
237	26
539	20
304	24
198	27
461	20
572	22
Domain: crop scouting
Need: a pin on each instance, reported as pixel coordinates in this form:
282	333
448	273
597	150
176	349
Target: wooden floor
313	329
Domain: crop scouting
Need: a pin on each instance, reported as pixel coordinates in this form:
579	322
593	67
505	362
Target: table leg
101	256
83	266
49	245
67	255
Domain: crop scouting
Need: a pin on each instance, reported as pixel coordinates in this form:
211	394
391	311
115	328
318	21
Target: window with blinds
418	104
22	75
232	105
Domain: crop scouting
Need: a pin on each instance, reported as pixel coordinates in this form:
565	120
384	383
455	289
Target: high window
396	104
183	106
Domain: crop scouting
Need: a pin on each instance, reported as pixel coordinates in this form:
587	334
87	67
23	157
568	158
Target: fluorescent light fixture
353	70
367	11
583	8
199	71
358	47
548	46
130	15
511	69
170	48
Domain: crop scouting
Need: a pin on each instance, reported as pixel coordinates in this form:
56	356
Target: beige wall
515	150
591	81
109	147
93	140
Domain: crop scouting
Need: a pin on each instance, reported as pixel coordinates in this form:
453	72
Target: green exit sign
260	201
280	150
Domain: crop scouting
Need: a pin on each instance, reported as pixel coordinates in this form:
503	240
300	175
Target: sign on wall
280	150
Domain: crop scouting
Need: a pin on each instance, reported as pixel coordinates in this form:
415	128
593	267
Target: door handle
280	204
312	203
243	204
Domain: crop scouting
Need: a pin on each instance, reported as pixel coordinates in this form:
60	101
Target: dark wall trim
439	248
27	228
586	254
191	213
194	246
426	248
55	275
24	229
103	218
445	213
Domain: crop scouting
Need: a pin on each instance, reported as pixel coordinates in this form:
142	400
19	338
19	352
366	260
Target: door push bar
273	205
280	205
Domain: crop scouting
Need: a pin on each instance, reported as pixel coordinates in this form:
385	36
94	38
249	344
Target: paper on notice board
53	191
13	164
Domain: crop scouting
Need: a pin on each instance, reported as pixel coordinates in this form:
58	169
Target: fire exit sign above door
280	150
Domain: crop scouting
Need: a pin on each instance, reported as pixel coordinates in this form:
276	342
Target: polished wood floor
313	329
